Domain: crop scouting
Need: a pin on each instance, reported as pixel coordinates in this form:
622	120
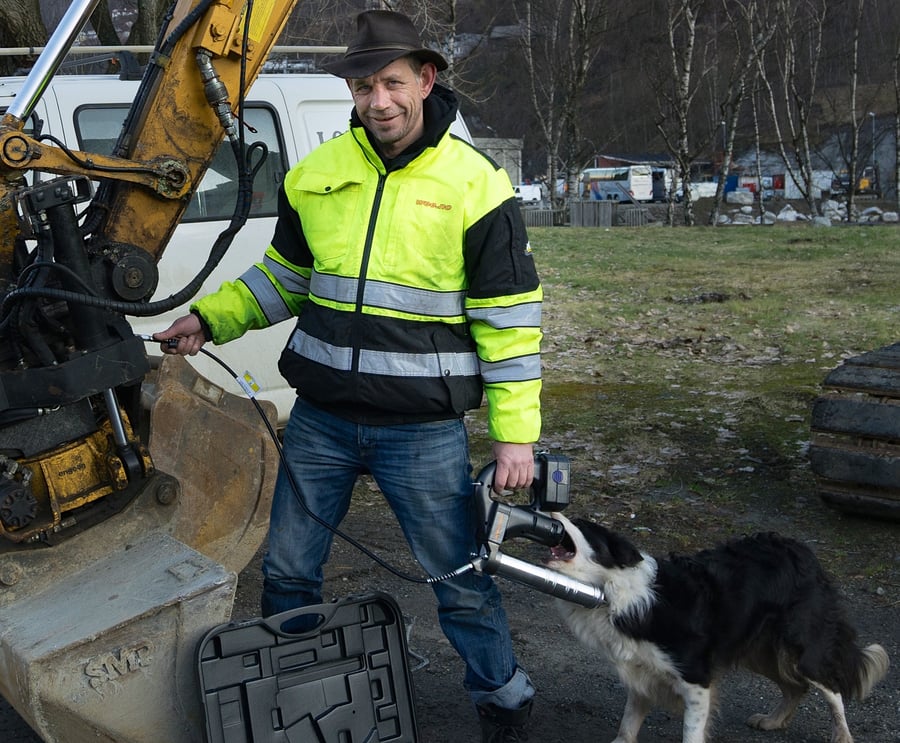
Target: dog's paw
765	722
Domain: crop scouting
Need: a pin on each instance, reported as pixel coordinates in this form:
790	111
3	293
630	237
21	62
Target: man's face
390	103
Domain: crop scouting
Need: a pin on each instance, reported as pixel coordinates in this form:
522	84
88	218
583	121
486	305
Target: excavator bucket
217	447
99	632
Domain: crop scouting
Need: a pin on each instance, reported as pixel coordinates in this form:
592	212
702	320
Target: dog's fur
672	627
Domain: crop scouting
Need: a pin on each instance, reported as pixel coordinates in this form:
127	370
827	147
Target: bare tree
853	165
677	90
896	67
149	20
853	93
790	86
560	42
101	20
752	30
22	24
441	22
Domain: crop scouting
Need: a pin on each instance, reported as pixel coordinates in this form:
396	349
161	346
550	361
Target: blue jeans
423	470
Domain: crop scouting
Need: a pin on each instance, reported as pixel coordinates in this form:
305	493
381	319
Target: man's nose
380	97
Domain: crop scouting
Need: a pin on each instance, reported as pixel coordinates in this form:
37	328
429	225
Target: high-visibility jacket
413	283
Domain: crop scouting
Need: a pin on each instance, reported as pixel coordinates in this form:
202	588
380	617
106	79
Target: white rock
739	196
787	214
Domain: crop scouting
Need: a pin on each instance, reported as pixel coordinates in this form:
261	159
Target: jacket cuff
204	326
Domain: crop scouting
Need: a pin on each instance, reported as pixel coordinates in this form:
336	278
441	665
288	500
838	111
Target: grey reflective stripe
335	357
389	296
292	281
518	316
384	362
266	295
334	288
519	369
418	364
414	300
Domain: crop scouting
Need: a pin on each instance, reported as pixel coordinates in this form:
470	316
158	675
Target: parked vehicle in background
866	182
626	183
529	193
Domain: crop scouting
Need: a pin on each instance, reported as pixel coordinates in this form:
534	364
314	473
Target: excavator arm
75	264
131	493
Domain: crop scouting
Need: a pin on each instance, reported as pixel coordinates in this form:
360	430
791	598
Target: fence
588	214
633	216
544	217
591	213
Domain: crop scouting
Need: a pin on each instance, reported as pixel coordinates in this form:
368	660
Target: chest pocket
419	236
333	212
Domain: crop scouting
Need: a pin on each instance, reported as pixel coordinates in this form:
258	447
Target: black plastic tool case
344	681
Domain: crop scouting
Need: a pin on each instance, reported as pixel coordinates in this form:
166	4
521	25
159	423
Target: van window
98	128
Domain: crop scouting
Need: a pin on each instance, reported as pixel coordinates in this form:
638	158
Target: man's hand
187	331
515	466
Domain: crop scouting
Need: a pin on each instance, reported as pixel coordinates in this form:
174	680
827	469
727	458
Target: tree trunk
896	124
20	25
148	22
101	20
752	31
796	58
559	43
854	118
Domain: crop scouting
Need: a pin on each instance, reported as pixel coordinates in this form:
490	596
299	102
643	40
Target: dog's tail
872	667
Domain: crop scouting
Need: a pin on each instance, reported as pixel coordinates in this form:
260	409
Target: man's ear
427	78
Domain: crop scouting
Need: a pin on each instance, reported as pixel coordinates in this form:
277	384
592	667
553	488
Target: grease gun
499	521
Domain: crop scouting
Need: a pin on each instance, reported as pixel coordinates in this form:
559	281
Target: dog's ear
610	549
623	552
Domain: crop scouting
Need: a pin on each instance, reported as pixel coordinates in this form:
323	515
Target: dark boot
499	725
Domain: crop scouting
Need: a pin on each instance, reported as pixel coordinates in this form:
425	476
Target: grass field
680	365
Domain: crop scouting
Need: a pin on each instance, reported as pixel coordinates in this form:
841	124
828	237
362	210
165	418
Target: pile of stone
832	212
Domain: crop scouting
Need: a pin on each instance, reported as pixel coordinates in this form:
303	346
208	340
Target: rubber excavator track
855	447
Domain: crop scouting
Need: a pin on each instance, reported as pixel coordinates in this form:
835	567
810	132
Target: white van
292	114
529	193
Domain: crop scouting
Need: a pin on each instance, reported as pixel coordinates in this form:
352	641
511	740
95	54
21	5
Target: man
402	252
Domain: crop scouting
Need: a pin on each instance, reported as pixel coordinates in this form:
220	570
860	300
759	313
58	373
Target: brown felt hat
382	36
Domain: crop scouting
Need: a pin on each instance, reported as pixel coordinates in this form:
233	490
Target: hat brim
363	64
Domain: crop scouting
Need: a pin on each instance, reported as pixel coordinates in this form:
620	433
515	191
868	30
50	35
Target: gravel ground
579	697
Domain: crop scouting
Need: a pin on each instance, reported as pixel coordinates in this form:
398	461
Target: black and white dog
673	627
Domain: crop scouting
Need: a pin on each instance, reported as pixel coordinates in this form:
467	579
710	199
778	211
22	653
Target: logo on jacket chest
433	205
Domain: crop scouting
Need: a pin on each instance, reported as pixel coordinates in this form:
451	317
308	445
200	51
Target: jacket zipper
364	269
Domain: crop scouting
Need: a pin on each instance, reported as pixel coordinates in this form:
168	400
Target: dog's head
592	553
591	547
